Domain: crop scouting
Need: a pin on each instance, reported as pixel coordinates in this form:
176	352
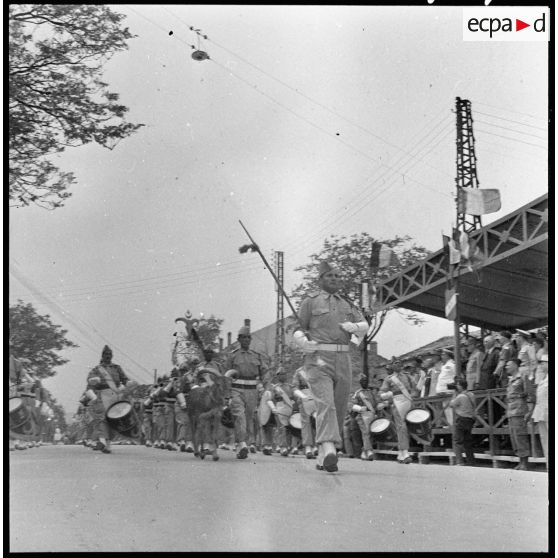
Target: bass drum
284	412
122	417
264	412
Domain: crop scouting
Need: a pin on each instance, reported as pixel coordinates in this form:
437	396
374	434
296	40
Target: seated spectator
520	403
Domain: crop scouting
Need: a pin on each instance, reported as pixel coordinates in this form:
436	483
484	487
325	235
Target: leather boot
523	462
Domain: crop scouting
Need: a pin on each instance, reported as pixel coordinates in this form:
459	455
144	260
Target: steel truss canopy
509	289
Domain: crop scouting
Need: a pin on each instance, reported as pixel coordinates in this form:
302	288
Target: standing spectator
447	372
474	362
507	352
540	412
519	398
541	350
432	366
400	388
463	405
489	363
526	354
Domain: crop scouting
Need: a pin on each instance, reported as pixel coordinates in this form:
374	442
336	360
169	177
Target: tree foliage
35	338
352	256
56	96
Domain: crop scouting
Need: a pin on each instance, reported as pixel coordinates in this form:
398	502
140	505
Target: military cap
325	267
244	330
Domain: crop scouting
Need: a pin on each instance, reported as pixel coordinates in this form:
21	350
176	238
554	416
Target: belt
158	404
242	385
170	400
26	395
332	347
148	411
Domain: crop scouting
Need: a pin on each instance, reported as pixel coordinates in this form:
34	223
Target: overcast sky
306	121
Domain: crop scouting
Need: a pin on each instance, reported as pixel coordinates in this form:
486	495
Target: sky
306	122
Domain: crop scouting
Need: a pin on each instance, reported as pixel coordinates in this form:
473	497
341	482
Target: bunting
382	256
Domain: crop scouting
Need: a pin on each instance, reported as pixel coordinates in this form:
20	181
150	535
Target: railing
490	422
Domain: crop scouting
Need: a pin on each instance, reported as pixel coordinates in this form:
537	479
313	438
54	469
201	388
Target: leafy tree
35	338
56	96
352	257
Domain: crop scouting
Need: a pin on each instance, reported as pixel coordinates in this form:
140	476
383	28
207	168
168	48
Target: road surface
137	499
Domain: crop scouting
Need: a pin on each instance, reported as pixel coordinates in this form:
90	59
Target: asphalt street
137	499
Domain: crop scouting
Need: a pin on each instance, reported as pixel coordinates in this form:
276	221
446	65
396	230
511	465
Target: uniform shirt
463	404
528	359
250	364
447	374
115	371
390	383
519	392
321	313
362	395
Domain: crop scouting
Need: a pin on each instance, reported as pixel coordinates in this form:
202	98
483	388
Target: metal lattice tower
279	325
466	161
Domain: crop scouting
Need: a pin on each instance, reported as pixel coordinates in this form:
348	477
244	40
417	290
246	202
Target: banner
451	304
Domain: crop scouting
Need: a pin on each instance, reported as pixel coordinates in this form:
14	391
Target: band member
183	426
107	380
398	389
327	321
279	394
308	422
147	421
247	383
159	397
364	403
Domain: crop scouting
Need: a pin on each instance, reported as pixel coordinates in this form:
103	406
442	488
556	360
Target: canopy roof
509	289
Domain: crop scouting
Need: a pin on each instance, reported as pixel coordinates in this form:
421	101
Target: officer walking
327	320
247	383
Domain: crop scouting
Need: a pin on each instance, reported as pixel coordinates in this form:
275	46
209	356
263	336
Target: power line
509	120
535	117
511	139
509	129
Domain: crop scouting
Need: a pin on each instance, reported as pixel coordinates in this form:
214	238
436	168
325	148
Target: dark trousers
463	439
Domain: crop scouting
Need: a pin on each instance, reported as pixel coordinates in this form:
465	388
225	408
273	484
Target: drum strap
285	397
403	389
364	399
107	377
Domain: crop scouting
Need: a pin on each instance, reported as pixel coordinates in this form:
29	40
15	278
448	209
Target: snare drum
419	425
122	417
295	425
383	430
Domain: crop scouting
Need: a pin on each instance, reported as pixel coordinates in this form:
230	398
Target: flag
382	256
478	201
451	304
387	256
464	245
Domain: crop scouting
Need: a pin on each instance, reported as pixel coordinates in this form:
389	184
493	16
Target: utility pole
466	162
279	324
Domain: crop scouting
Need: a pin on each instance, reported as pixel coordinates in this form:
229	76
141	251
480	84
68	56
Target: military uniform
520	394
147	421
402	387
308	423
329	368
367	400
244	393
106	380
183	426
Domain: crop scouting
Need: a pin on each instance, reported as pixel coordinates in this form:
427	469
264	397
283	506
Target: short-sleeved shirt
321	313
464	404
391	383
364	394
519	392
249	364
114	370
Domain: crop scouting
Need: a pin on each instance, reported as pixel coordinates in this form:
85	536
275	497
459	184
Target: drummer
107	380
398	389
279	396
364	403
307	409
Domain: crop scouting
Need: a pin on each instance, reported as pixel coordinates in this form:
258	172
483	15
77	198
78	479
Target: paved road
71	499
